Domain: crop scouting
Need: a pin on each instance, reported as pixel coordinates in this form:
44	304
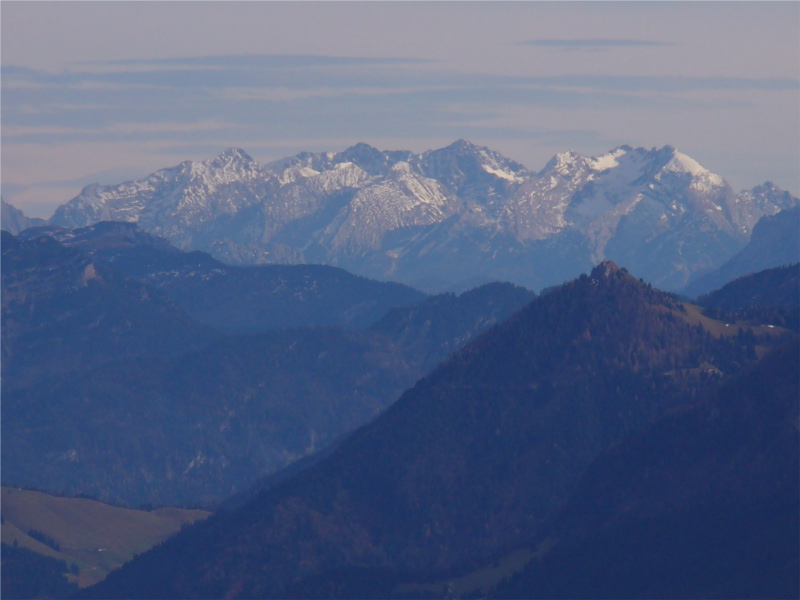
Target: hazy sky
109	91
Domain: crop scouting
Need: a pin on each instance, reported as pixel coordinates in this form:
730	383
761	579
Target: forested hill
475	459
702	504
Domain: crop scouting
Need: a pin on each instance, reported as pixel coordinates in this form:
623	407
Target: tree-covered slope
197	428
63	311
475	459
236	299
438	326
778	287
703	504
111	389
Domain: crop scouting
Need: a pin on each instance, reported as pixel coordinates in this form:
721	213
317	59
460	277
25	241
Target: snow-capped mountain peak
681	163
231	165
232	155
564	163
445	216
462	146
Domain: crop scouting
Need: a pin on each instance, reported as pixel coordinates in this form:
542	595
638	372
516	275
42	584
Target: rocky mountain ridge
446	219
14	220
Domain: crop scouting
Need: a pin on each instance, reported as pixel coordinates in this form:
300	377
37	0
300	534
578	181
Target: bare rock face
14	220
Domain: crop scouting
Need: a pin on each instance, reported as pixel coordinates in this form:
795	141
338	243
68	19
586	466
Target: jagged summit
767	187
368	158
462	145
232	164
362	149
562	163
473	172
234	154
571	161
606	269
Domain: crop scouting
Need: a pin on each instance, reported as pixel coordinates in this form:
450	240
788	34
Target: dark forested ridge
438	326
235	299
63	311
111	389
27	574
770	297
194	429
703	504
778	287
476	459
604	413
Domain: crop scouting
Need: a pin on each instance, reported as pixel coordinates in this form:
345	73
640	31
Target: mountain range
444	219
199	337
482	457
141	374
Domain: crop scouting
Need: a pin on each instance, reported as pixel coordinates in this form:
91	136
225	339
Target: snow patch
502	174
308	172
682	163
606	161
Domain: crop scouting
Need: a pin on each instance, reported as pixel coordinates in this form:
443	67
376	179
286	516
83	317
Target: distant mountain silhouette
434	328
775	243
778	287
64	311
14	220
236	299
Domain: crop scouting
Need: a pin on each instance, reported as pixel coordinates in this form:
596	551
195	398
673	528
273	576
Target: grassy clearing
694	315
96	537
